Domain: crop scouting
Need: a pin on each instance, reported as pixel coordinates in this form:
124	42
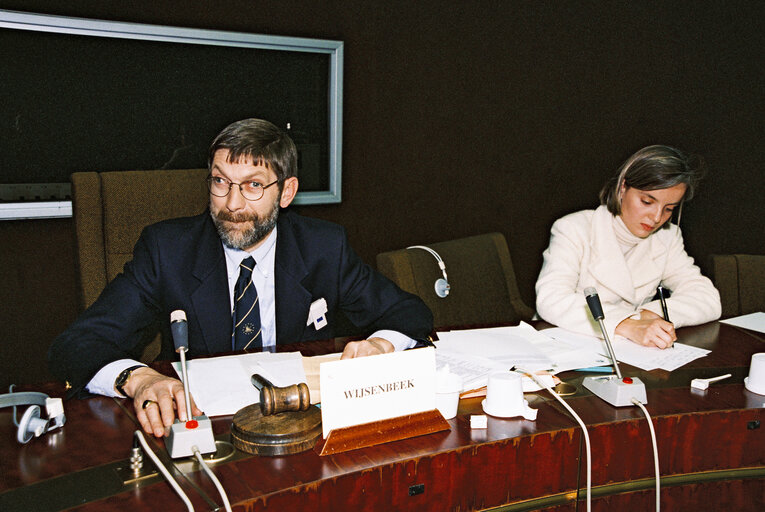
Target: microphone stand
185	374
195	434
616	390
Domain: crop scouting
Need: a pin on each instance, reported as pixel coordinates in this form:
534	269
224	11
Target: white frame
123	30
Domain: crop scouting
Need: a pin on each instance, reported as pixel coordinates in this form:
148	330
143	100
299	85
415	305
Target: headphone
441	285
31	424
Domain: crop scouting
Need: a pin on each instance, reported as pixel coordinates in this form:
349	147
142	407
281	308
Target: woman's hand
650	330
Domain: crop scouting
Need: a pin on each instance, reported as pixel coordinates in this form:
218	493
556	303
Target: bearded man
249	275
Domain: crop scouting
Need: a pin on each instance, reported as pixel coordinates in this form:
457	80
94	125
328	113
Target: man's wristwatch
123	377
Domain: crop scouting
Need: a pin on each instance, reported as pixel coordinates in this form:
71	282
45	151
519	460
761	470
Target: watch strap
123	377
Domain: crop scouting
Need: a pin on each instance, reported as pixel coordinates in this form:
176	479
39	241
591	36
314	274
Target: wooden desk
711	446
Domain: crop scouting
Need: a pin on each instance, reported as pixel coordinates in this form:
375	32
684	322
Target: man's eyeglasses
251	190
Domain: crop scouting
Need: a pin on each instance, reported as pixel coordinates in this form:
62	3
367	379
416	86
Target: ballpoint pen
664	309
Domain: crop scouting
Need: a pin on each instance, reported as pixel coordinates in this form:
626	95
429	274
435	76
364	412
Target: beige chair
480	272
740	278
110	210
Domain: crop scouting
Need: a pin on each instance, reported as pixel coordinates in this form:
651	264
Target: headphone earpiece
441	286
32	424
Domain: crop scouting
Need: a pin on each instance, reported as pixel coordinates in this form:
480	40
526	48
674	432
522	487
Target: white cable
425	248
214	478
161	467
441	263
588	452
655	452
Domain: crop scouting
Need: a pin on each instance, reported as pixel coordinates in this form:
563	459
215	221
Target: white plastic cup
448	389
504	395
756	380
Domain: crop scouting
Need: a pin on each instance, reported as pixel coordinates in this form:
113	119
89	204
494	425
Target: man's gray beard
254	234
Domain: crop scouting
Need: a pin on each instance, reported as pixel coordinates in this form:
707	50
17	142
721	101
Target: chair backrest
110	210
740	279
483	286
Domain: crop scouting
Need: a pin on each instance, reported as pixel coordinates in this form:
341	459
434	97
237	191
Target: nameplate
366	389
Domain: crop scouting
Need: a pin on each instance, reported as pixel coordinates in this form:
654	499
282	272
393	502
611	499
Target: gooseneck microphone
596	308
614	389
179	328
195	435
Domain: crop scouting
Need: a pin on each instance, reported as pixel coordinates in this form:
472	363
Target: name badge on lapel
318	314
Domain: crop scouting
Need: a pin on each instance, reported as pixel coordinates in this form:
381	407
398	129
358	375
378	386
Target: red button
192	424
627	380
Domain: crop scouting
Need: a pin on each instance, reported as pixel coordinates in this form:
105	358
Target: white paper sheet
650	358
510	346
628	352
752	321
221	385
521	346
474	370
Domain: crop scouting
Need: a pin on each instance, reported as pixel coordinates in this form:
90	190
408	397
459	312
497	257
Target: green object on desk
597	369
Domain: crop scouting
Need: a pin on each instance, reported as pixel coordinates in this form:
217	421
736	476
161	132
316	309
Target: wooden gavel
274	400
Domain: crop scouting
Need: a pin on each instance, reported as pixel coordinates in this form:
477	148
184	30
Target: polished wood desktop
711	449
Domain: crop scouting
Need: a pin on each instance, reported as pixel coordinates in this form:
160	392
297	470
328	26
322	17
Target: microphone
196	433
179	328
593	301
614	389
596	308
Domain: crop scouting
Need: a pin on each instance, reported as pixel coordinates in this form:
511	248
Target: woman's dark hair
260	140
653	168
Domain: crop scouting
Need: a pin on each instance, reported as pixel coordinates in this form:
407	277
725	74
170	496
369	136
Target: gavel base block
277	434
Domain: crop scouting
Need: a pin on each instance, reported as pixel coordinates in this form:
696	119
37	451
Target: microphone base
617	392
184	435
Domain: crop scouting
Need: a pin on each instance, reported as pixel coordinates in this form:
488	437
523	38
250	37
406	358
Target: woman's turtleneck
624	237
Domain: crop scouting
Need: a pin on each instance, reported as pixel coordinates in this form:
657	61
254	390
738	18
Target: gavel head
274	400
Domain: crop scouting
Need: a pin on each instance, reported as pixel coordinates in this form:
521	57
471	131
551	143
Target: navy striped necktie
246	315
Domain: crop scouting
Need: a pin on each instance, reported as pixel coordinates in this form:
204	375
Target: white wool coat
584	252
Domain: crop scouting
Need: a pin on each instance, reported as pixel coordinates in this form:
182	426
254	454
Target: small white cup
448	389
504	395
756	380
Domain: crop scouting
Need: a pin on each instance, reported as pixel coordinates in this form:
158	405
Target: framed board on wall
94	95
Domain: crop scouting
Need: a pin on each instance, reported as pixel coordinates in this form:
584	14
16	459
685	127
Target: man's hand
650	330
370	347
165	395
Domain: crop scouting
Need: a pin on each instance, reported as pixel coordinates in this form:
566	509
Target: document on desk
474	370
476	353
509	346
752	321
645	358
221	385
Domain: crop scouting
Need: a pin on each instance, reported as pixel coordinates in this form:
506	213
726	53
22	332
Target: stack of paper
476	353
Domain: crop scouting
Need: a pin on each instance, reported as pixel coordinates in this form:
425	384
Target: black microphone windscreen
180	330
593	301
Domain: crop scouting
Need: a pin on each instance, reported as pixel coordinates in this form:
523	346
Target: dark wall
469	117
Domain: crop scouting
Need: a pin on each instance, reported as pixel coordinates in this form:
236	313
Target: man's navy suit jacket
180	264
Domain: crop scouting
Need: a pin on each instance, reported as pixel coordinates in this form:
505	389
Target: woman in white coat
626	248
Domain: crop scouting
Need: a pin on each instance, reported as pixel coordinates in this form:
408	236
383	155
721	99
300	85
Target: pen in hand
664	310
